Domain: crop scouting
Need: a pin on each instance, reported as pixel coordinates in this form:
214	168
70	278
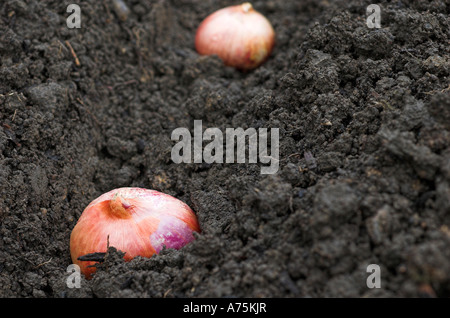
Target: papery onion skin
239	35
137	221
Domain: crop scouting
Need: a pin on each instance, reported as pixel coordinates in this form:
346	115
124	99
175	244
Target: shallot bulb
239	35
137	221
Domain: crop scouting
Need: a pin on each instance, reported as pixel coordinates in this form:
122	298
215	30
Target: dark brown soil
364	119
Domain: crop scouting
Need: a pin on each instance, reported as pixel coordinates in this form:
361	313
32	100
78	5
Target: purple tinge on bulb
172	233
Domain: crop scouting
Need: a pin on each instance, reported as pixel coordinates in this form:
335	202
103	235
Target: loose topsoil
364	121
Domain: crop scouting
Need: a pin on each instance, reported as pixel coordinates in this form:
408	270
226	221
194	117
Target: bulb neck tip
119	207
246	7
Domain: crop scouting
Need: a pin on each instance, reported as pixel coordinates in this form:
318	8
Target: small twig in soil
61	47
10	134
88	111
135	34
294	155
438	91
108	12
138	46
39	265
384	104
77	61
167	293
111	88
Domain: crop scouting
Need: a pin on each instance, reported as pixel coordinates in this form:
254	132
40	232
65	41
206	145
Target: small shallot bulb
242	37
136	221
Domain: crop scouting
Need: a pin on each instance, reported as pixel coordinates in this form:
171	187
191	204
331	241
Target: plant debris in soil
364	137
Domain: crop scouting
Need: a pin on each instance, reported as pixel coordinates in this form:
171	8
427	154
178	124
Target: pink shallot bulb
137	221
239	35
